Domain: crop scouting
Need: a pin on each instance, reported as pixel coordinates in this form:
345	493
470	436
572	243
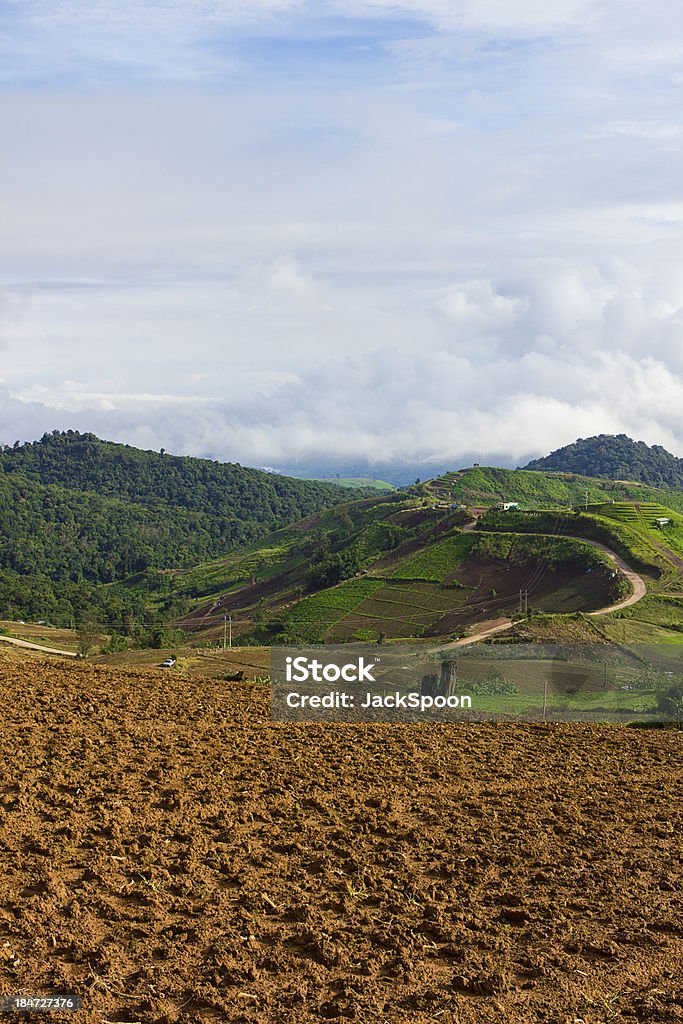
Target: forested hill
77	512
615	457
257	500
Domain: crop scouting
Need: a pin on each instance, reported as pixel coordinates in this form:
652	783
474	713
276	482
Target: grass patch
436	562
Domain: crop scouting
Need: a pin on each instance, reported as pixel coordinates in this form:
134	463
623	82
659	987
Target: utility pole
225	630
586	499
230	621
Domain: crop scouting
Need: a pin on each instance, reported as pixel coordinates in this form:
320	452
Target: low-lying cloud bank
507	370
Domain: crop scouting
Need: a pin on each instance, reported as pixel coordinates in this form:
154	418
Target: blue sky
280	231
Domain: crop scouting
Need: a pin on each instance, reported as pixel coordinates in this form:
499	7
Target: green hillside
395	568
79	512
644	518
532	489
404	568
641	545
631	530
615	457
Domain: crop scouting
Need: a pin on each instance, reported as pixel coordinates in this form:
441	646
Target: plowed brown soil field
172	856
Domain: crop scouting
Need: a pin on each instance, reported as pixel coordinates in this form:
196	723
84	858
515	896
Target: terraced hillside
384	569
647	518
450	584
631	530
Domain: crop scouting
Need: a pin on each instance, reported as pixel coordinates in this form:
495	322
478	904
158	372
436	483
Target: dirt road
489	629
37	647
636	581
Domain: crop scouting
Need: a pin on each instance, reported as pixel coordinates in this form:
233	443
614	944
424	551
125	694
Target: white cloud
404	229
397	404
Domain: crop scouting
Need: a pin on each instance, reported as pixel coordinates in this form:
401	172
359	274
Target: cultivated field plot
400	609
172	856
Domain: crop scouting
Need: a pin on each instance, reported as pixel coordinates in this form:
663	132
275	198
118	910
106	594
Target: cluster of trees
116	609
333	562
616	457
80	535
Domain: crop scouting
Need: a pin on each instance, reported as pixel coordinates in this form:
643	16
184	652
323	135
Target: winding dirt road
636	581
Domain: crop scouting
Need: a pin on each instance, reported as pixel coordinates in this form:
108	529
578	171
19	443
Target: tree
87	633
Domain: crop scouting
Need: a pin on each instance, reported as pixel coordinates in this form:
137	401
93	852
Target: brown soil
496	586
172	856
410	517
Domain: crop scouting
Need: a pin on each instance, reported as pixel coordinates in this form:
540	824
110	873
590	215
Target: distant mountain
615	457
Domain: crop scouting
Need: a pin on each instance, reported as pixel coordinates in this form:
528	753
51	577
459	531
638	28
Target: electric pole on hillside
225	631
523	602
230	624
586	499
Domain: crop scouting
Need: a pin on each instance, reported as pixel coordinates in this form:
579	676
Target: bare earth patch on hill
495	588
172	856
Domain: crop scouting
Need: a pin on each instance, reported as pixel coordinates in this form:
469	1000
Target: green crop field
642	517
607	702
438	561
308	620
398	610
633	631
